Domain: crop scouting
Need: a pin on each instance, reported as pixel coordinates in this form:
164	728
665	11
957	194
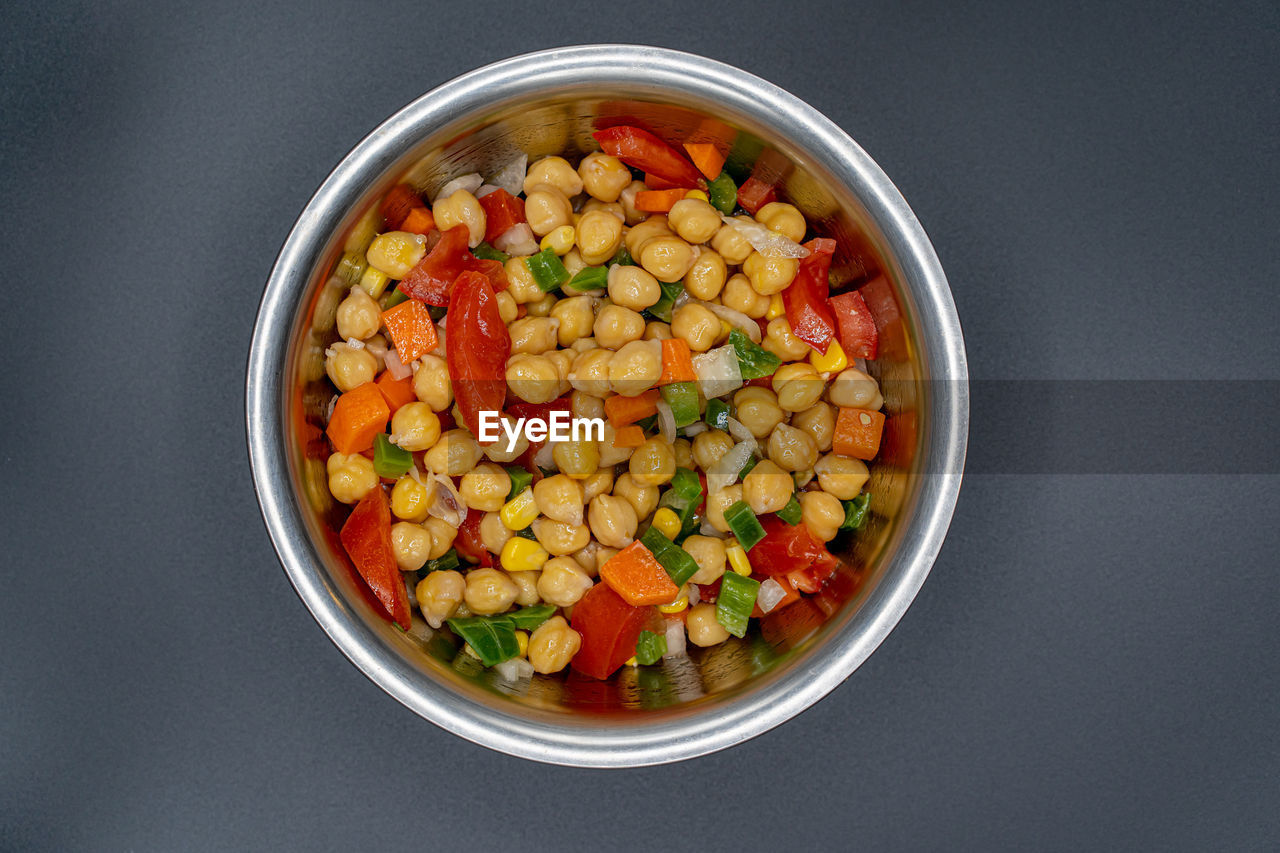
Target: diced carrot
411	328
706	157
636	575
627	410
677	362
658	201
858	433
397	392
358	416
397	204
419	221
628	436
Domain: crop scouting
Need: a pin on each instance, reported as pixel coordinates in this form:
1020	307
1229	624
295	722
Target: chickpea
533	378
599	483
604	555
702	627
694	220
706	278
559	498
546	208
631	287
552	645
798	386
528	583
719	502
559	538
563	581
586	405
819	421
521	286
461	208
604	177
442	535
697	325
853	389
653	227
415	427
612	208
583	345
613	521
454	454
395	253
575	316
431	383
628	200
349	367
783	218
533	335
653	463
563	361
657	331
590	372
683	450
555	171
578	459
499	451
489	591
485	487
635	368
358	315
781	342
732	245
493	533
610	455
758	410
708	553
507	308
616	326
573	262
642	497
351	477
709	446
542	307
770	275
842	476
792	449
439	595
767	488
411	545
741	296
409	499
822	514
599	234
667	258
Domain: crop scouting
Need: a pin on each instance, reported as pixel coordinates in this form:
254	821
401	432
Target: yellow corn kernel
560	240
738	559
519	512
523	555
676	606
466	647
522	641
776	308
833	362
631	661
698	194
725	329
667	522
374	282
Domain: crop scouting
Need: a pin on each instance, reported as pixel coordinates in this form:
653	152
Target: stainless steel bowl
546	103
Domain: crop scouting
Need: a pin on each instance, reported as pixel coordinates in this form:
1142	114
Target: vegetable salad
641	286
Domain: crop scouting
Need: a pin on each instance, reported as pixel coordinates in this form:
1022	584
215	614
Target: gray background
1092	662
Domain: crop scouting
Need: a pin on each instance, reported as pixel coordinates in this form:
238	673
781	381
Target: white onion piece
666	422
736	319
695	429
398	369
675	639
355	343
771	592
484	190
543	458
739	430
511	177
724	472
470	183
767	242
718	371
446	504
517	240
514	669
328	410
682	300
708	529
694	595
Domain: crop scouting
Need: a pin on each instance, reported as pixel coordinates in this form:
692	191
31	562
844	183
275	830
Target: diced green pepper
744	524
735	602
717	414
650	648
547	270
686	485
679	565
588	279
682	397
488	253
394	298
855	512
685	510
444	563
754	360
622	257
746	469
791	513
520	480
661	309
722	193
389	460
528	618
492	638
351	267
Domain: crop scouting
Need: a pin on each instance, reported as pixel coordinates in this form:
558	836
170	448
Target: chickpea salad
642	287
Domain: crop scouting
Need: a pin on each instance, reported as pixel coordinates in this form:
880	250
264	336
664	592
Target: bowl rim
626	744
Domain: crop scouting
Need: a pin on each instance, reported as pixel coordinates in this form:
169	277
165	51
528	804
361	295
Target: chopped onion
666	422
511	177
736	319
683	299
724	472
328	410
517	240
514	669
398	369
694	596
739	430
543	458
695	429
771	592
708	529
446	503
484	190
766	241
470	183
675	639
718	371
355	343
860	363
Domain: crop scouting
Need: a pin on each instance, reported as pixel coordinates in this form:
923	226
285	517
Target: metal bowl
548	103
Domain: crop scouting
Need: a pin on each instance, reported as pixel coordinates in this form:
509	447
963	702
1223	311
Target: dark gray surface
1091	664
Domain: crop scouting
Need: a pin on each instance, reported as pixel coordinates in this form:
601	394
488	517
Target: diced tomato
469	543
811	578
755	194
639	148
609	628
858	336
709	592
366	536
476	346
502	211
792	626
396	205
432	279
784	548
521	409
805	299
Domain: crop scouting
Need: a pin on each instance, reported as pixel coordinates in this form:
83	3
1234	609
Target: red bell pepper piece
502	211
431	280
477	345
469	543
784	548
366	536
755	194
653	182
609	628
641	149
521	409
811	578
858	334
805	299
709	592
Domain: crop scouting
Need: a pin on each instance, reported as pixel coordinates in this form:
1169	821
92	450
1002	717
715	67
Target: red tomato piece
432	279
502	211
641	149
366	536
609	628
784	548
755	194
858	334
805	299
468	541
477	345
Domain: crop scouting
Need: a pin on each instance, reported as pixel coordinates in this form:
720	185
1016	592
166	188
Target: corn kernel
833	362
374	282
776	308
560	240
522	641
725	329
698	194
519	512
466	647
523	555
667	522
738	559
676	606
631	661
